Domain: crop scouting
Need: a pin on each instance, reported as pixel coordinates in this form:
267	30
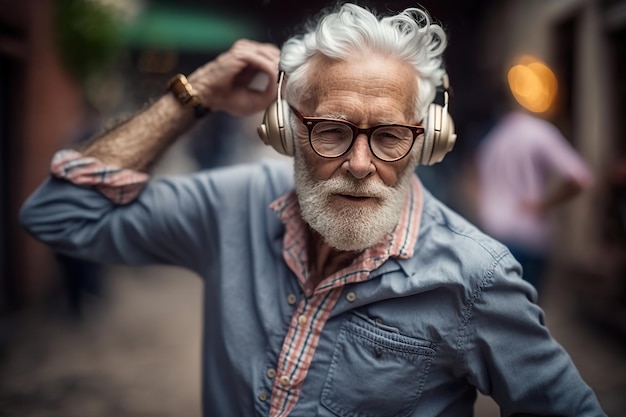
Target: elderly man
340	287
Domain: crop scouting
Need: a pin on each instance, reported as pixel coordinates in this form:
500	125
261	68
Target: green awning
184	29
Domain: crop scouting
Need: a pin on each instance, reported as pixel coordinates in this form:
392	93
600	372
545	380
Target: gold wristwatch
180	87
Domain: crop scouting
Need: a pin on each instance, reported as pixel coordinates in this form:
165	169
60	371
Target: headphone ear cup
430	134
439	136
287	136
275	131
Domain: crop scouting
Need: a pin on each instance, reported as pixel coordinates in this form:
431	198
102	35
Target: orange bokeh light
533	84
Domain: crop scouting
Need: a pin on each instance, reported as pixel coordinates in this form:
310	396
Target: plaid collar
398	244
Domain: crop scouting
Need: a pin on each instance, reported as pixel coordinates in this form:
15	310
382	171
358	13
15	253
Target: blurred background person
526	168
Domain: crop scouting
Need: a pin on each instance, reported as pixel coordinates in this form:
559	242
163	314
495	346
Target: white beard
348	227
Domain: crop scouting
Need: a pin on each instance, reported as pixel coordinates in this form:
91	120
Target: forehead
372	83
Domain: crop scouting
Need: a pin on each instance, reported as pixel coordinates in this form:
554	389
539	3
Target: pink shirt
516	161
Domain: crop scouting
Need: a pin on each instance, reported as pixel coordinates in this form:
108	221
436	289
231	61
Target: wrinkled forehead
363	79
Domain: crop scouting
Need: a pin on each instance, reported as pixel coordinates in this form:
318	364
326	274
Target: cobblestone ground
136	353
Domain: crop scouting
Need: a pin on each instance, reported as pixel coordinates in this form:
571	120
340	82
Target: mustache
347	185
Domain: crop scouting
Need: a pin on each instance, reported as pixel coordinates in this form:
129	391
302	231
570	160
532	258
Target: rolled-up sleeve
119	185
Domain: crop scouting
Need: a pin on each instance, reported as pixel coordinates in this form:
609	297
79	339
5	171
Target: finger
245	77
270	51
263	56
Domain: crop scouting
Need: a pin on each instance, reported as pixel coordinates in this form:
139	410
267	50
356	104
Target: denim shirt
417	338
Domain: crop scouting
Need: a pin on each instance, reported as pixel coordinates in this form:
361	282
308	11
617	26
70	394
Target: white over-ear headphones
439	136
273	129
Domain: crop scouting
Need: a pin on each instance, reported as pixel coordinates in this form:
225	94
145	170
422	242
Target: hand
223	84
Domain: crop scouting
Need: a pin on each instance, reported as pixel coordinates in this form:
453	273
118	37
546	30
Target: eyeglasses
332	138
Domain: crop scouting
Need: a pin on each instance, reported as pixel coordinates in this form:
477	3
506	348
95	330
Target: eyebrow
334	116
345	118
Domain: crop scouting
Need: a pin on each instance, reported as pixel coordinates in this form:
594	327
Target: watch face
184	93
181	89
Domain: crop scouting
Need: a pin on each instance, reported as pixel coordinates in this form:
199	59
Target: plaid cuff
119	185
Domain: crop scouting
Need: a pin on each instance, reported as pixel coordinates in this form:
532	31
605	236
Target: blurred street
136	352
134	347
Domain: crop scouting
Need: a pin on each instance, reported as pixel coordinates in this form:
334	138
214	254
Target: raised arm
169	220
221	85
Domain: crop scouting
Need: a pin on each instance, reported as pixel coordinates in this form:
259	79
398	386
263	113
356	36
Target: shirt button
351	296
284	381
262	396
302	320
291	299
271	373
378	320
378	351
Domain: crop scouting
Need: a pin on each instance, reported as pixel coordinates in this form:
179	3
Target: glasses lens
331	138
390	143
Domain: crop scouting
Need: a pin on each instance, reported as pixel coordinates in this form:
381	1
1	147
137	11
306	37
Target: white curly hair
411	36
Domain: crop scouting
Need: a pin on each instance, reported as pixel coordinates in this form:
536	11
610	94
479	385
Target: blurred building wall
543	29
45	107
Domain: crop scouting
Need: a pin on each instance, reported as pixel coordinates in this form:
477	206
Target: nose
359	162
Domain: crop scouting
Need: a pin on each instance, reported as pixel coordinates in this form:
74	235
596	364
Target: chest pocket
375	372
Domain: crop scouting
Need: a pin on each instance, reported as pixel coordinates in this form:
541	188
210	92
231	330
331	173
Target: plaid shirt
313	311
119	185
